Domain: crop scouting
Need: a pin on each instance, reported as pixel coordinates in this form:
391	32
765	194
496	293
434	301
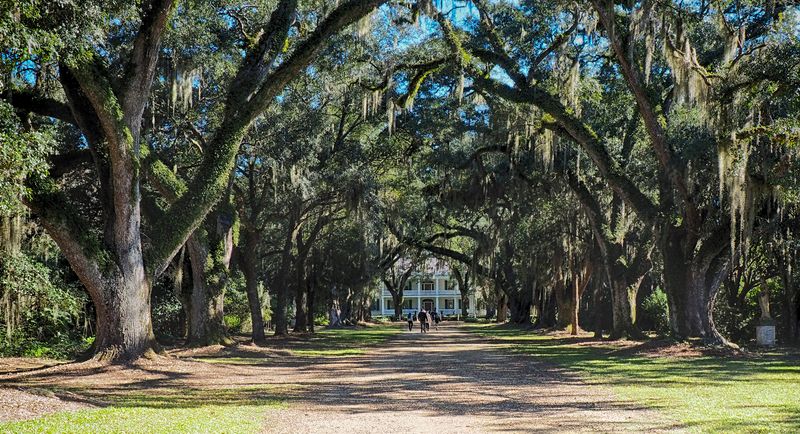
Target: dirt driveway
450	381
446	381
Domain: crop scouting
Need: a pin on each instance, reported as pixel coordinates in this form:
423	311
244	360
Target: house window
408	285
446	284
389	304
407	303
427	286
449	303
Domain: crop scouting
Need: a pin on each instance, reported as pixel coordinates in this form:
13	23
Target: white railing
423	292
446	312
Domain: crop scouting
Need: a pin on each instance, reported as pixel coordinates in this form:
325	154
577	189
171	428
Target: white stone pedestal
765	335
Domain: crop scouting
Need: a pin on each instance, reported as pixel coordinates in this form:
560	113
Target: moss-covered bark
108	107
210	251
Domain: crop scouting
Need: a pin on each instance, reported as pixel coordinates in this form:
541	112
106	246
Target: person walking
423	319
410	321
436	318
428	321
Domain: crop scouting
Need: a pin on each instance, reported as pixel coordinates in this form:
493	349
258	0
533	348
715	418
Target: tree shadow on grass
764	383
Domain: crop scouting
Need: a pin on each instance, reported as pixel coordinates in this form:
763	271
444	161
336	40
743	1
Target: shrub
654	313
237	310
167	314
46	314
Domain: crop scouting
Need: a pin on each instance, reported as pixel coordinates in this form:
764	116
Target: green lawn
161	411
341	342
707	394
345	341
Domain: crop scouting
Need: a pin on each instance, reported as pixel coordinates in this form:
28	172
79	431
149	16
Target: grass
344	341
205	419
706	394
182	410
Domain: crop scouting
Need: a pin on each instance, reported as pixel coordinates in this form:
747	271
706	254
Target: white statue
763	302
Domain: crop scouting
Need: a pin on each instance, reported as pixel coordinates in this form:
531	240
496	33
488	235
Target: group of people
425	319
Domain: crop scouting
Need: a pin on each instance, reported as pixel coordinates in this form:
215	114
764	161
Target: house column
473	306
419	295
436	294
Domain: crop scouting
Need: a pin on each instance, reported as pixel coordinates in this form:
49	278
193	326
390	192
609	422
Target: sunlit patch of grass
161	410
210	418
344	341
341	342
707	394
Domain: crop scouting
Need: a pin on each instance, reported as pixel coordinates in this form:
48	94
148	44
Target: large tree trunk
281	287
520	308
545	308
564	304
464	302
210	252
624	284
623	301
124	327
300	295
580	279
397	299
118	287
300	311
279	315
246	257
182	288
206	323
692	284
346	306
597	308
502	307
575	308
623	309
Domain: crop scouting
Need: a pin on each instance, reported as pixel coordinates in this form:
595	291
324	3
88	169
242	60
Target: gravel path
448	381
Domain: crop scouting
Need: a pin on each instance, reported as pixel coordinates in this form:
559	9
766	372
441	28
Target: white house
432	288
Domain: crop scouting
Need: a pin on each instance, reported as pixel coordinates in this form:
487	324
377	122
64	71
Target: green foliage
48	314
654	312
167	314
237	311
22	154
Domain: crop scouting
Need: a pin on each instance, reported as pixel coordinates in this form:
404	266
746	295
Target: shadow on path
451	381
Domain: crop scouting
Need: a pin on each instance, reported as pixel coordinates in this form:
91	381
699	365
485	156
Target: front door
427	304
